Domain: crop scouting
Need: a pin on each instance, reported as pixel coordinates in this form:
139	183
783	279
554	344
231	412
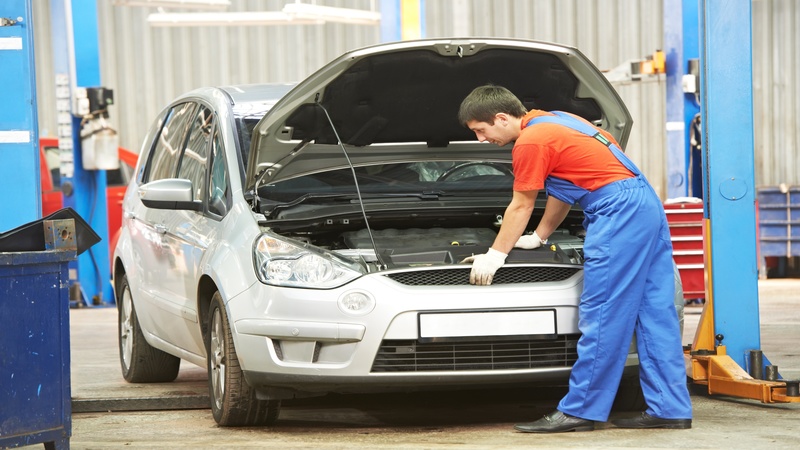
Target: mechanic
628	271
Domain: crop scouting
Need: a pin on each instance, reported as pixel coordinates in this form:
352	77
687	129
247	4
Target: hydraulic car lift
728	336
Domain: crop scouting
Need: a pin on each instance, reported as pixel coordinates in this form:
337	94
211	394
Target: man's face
500	133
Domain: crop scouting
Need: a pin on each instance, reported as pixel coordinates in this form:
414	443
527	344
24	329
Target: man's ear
502	118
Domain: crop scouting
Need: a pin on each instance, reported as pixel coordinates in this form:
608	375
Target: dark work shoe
556	422
648	421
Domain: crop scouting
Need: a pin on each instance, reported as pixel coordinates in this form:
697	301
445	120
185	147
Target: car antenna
381	264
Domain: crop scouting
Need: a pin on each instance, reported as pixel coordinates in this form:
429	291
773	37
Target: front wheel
141	362
233	401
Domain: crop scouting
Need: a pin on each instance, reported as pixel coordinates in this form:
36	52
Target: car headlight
281	262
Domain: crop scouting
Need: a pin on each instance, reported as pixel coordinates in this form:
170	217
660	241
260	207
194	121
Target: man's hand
529	241
484	266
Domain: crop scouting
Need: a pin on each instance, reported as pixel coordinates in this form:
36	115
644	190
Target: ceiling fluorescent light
193	4
226	19
332	14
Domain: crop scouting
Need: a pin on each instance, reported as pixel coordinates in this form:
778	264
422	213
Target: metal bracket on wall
60	235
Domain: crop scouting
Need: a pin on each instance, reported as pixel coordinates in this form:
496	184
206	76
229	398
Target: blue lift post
728	336
727	115
19	141
77	65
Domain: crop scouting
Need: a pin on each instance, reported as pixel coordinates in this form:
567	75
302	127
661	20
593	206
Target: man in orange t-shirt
628	270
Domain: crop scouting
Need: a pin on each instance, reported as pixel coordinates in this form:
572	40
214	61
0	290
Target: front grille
412	356
504	275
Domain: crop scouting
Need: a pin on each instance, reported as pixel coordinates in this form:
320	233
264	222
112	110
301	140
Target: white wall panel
776	91
45	80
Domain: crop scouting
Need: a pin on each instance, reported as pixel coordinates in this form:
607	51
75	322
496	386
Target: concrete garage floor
443	420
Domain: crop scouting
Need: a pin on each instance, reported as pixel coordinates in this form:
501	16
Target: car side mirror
169	193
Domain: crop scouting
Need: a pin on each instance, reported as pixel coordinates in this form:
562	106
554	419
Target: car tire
140	362
233	401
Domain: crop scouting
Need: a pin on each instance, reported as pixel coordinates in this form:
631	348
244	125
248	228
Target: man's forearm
515	220
554	213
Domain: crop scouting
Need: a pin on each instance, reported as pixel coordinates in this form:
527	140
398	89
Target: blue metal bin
35	397
779	220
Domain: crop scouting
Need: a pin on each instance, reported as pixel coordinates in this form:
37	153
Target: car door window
164	159
195	156
218	192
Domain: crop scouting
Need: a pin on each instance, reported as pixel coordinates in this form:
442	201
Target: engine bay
410	214
439	245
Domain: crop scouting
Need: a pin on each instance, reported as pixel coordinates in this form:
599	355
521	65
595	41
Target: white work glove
529	241
484	266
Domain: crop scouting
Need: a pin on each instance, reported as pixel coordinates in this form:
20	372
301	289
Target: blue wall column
681	45
76	63
729	181
402	20
19	139
691	104
676	126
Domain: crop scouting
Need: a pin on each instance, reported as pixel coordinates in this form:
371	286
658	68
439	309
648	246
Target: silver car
304	239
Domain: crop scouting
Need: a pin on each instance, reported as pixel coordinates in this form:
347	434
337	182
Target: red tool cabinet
686	231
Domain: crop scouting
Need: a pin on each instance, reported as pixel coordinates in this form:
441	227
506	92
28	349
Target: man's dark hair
484	102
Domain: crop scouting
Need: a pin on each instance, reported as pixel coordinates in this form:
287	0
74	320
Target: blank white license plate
507	323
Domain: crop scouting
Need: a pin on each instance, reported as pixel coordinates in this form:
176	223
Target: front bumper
298	340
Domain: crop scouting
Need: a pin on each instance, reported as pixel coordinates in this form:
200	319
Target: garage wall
776	91
607	32
147	67
162	62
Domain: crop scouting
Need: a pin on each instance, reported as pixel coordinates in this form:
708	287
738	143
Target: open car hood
398	101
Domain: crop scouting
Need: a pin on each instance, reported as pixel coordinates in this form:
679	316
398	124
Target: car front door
187	235
154	253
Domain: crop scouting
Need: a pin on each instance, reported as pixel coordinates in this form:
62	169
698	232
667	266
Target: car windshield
250	104
245	123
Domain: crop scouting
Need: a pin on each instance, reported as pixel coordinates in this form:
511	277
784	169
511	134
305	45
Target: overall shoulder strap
564	119
569	121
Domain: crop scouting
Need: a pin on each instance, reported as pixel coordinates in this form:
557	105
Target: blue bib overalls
628	285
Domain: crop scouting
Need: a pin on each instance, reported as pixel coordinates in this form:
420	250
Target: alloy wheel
217	356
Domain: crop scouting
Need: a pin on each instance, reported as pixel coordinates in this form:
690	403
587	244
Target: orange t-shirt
551	149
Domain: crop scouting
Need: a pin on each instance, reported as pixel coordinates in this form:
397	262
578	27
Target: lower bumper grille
412	356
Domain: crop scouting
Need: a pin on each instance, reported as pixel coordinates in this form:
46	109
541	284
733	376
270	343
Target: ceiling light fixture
226	19
193	4
332	14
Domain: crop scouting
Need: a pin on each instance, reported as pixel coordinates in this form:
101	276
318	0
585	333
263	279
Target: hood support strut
381	264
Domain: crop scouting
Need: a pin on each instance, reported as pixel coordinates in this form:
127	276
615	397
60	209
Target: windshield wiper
353	197
425	195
